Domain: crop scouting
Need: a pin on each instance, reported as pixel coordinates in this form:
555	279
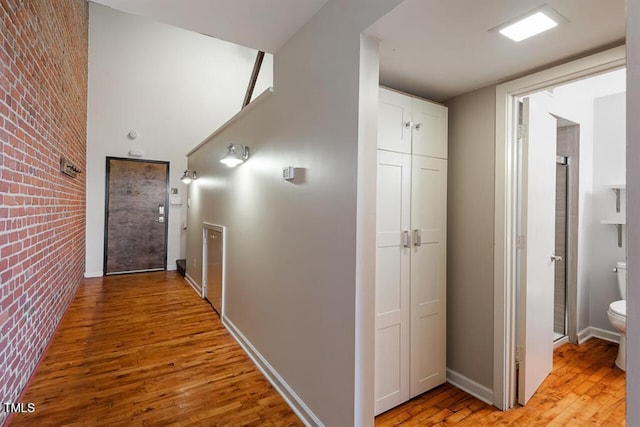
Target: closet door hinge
521	242
523	131
518	354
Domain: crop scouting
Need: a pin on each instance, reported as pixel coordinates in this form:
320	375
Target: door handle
406	239
555	257
417	237
418	126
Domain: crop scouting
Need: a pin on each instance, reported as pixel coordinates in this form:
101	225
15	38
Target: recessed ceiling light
534	22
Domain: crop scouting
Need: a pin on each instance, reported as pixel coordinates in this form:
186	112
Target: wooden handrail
254	78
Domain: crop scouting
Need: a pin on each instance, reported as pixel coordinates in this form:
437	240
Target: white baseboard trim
560	342
91	274
298	406
193	284
593	332
603	334
584	335
468	385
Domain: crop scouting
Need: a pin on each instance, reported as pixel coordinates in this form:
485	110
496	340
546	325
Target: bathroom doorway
586	306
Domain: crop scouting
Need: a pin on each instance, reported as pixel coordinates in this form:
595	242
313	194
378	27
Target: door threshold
135	271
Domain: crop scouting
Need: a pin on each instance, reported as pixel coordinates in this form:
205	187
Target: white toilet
617	314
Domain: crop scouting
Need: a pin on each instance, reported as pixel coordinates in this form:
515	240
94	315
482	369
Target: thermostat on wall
288	173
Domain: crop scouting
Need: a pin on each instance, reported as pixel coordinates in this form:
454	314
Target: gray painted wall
294	252
633	212
470	237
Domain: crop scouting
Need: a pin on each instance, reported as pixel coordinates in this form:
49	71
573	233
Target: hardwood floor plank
584	388
143	349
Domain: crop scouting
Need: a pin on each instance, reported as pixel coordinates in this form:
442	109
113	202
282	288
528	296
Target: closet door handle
418	126
406	239
417	237
408	124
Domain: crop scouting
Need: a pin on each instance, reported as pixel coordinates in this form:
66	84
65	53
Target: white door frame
505	214
222	229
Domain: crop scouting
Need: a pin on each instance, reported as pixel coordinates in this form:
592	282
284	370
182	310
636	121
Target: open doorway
506	271
548	204
561	240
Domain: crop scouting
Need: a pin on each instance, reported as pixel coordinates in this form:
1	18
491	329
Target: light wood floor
144	350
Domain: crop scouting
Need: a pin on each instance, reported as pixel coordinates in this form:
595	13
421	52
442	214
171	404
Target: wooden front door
136	214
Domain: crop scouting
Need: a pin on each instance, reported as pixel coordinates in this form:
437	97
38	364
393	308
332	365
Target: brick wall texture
43	116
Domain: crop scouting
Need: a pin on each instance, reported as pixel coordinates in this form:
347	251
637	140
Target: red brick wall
43	116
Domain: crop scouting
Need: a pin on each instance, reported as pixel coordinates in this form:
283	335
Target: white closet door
430	123
428	273
393	116
392	281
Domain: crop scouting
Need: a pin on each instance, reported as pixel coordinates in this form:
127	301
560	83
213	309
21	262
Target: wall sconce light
236	154
188	176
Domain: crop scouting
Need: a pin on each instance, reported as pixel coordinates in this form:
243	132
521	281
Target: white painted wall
633	212
173	87
366	230
609	145
300	267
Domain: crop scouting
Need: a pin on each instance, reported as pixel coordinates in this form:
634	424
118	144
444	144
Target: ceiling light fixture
531	24
236	154
188	176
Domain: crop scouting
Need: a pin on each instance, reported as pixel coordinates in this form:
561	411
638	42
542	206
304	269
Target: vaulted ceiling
260	24
432	48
